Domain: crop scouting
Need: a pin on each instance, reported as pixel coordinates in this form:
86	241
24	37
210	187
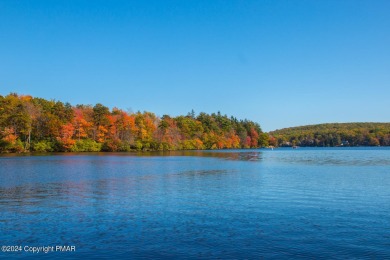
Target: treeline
36	124
337	134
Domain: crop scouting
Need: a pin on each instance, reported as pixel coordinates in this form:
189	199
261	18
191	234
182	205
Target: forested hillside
337	134
35	124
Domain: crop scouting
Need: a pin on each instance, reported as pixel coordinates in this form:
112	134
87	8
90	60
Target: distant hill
333	134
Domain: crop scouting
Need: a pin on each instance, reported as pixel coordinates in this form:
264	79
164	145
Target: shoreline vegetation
333	135
31	124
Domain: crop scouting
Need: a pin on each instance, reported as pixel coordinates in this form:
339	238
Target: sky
278	63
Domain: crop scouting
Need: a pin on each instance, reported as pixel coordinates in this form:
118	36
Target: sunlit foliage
337	134
36	124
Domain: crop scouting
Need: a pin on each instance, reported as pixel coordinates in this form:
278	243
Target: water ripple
266	204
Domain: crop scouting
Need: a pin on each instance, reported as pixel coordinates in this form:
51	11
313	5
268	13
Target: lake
231	204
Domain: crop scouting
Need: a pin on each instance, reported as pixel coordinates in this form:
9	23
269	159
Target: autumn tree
37	124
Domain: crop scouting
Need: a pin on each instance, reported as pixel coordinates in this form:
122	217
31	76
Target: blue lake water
233	204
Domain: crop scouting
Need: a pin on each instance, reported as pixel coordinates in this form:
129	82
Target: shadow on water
234	155
205	172
225	154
